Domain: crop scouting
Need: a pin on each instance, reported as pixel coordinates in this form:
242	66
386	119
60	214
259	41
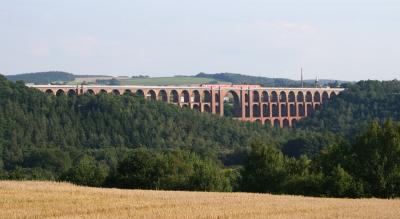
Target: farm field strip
33	199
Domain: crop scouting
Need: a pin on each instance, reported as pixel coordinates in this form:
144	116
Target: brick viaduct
281	107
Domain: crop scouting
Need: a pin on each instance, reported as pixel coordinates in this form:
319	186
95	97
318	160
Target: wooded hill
129	142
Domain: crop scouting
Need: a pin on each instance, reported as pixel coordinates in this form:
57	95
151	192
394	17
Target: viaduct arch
279	107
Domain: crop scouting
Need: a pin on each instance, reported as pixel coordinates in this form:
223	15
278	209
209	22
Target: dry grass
62	200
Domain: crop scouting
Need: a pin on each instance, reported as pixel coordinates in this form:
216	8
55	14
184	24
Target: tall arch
174	96
300	96
151	95
325	97
207	98
266	110
274	97
265	97
185	97
162	96
310	109
275	110
308	96
256	110
256	96
333	95
317	97
232	105
196	96
284	111
292	97
293	110
282	96
302	110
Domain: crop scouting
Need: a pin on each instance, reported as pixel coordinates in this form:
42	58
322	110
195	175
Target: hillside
129	142
62	200
42	77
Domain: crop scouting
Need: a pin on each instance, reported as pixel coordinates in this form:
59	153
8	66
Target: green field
178	80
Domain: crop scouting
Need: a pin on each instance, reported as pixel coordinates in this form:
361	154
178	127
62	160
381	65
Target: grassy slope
177	80
47	199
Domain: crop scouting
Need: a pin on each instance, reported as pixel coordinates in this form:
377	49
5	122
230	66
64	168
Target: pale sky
340	39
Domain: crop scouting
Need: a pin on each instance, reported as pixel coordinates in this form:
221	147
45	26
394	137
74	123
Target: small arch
333	95
174	96
256	96
185	106
292	97
49	91
293	110
90	92
116	92
284	111
162	96
286	123
277	123
308	96
258	121
207	98
274	97
300	96
60	92
185	98
196	107
128	92
266	110
317	97
267	122
302	111
151	95
294	123
207	108
196	96
256	110
282	96
317	107
265	97
140	93
71	92
325	97
102	91
275	110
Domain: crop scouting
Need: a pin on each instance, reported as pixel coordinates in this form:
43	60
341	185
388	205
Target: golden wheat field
62	200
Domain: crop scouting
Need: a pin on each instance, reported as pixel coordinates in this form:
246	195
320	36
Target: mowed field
62	200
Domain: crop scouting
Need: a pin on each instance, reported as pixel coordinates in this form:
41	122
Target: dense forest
350	148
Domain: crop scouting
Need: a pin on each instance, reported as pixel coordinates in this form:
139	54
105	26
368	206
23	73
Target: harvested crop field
62	200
